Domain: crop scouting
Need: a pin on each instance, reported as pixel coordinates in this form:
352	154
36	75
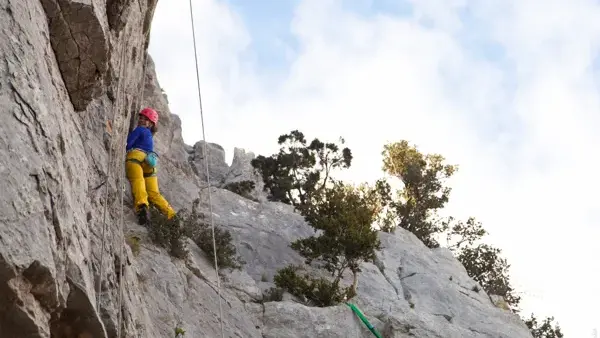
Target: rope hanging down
121	223
108	172
212	224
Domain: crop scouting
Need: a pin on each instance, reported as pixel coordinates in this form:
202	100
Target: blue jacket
140	138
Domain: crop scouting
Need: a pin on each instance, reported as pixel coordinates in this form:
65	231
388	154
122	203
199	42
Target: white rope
212	224
121	225
121	260
108	164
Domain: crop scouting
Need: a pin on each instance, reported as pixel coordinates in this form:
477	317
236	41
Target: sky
507	89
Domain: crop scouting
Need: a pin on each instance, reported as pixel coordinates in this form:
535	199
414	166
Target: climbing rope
122	192
212	224
364	320
108	172
121	260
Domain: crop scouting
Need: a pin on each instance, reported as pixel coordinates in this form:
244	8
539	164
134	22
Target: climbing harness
212	224
364	320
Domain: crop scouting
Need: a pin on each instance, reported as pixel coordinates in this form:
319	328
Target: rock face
73	73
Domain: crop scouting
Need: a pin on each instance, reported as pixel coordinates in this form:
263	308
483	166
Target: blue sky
509	90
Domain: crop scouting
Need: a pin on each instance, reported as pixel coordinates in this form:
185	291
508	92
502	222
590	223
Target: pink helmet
151	114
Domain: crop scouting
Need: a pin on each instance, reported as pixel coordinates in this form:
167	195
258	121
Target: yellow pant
144	183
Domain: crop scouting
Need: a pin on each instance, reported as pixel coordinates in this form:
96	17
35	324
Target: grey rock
288	319
217	166
80	42
241	170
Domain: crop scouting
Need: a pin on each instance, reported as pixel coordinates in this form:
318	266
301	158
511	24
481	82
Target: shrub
134	244
167	233
273	295
200	232
545	329
313	291
242	188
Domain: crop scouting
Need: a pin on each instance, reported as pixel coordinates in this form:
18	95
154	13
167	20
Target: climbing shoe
143	215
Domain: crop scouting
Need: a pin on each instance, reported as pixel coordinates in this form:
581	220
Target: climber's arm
132	137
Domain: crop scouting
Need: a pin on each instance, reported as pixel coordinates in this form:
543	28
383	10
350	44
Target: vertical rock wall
67	66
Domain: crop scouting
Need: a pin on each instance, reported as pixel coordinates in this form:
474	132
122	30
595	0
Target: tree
343	214
415	208
460	234
300	170
485	265
545	330
423	177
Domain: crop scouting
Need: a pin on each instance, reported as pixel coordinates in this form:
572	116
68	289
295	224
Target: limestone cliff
71	74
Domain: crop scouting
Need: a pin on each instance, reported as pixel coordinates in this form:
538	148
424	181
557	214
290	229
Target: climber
141	167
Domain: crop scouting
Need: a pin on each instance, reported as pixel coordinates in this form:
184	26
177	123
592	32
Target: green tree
545	329
423	192
300	169
343	215
415	208
460	234
483	262
485	265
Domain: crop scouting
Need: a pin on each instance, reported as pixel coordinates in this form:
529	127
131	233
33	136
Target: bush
167	233
200	232
273	295
242	188
485	265
545	330
313	291
134	244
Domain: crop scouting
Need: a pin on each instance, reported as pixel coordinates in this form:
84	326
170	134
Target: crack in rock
481	334
80	46
379	264
117	12
409	275
407	295
447	317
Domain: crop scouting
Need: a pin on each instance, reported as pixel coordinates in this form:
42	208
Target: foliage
134	244
545	329
179	332
415	206
242	188
424	192
300	169
485	265
200	232
462	233
344	214
273	295
314	291
167	233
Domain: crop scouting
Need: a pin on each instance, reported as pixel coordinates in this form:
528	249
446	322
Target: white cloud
527	154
